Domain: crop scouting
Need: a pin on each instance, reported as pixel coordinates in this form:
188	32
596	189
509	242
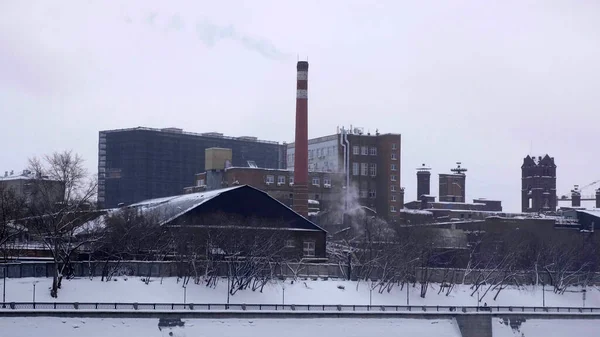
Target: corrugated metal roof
169	208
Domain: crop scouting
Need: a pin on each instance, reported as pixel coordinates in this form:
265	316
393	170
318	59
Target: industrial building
325	189
452	205
370	162
144	163
538	184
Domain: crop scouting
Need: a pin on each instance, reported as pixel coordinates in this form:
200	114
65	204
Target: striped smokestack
301	143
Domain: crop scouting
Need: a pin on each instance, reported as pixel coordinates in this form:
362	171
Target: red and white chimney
300	204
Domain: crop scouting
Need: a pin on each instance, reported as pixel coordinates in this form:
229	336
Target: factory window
393	155
393	209
329	151
393	146
393	197
363	193
200	182
364	169
315	181
372	194
291	195
308	248
291	179
393	188
373	170
327	181
393	167
355	170
290	244
270	179
316	197
393	177
281	180
364	150
355	150
373	151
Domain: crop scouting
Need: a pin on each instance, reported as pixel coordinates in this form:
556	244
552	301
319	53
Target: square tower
538	187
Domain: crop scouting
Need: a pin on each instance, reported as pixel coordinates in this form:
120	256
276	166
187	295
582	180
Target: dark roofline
228	189
207	134
289	209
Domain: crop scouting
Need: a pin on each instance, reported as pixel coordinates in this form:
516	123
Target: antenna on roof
458	169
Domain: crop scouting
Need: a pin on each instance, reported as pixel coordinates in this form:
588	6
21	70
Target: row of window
270	179
364	169
364	150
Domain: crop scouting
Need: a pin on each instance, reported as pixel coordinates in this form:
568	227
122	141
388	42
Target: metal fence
104	306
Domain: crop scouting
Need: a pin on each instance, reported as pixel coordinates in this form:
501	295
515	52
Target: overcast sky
482	82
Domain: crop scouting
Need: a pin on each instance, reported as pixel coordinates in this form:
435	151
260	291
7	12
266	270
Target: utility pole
407	296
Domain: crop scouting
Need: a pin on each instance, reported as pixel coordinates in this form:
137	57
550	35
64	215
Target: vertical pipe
348	166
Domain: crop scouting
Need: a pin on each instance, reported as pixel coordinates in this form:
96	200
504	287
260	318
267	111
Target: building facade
143	163
27	186
538	184
370	162
325	188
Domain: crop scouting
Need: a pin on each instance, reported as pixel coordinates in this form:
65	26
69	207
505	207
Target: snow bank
168	290
92	327
548	328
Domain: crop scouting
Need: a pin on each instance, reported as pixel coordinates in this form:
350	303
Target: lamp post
34	283
544	294
184	294
4	288
407	295
283	296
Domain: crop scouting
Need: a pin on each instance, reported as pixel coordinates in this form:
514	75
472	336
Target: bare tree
11	208
59	204
249	251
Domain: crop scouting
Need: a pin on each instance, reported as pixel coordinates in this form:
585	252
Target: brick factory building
144	163
324	187
372	164
538	184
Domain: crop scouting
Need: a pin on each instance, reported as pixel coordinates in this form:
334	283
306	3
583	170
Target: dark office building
143	163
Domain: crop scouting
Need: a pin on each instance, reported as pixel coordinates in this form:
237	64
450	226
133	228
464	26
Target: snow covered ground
168	290
95	327
548	328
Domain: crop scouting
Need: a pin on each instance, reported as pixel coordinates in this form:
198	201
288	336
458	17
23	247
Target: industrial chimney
423	181
598	198
300	204
576	197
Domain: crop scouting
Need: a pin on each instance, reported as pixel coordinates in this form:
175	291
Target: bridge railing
129	306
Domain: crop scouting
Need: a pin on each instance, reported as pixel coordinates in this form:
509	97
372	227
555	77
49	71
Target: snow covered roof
169	208
415	211
595	212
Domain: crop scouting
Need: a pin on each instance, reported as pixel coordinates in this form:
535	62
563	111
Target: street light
34	283
283	288
4	288
184	293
